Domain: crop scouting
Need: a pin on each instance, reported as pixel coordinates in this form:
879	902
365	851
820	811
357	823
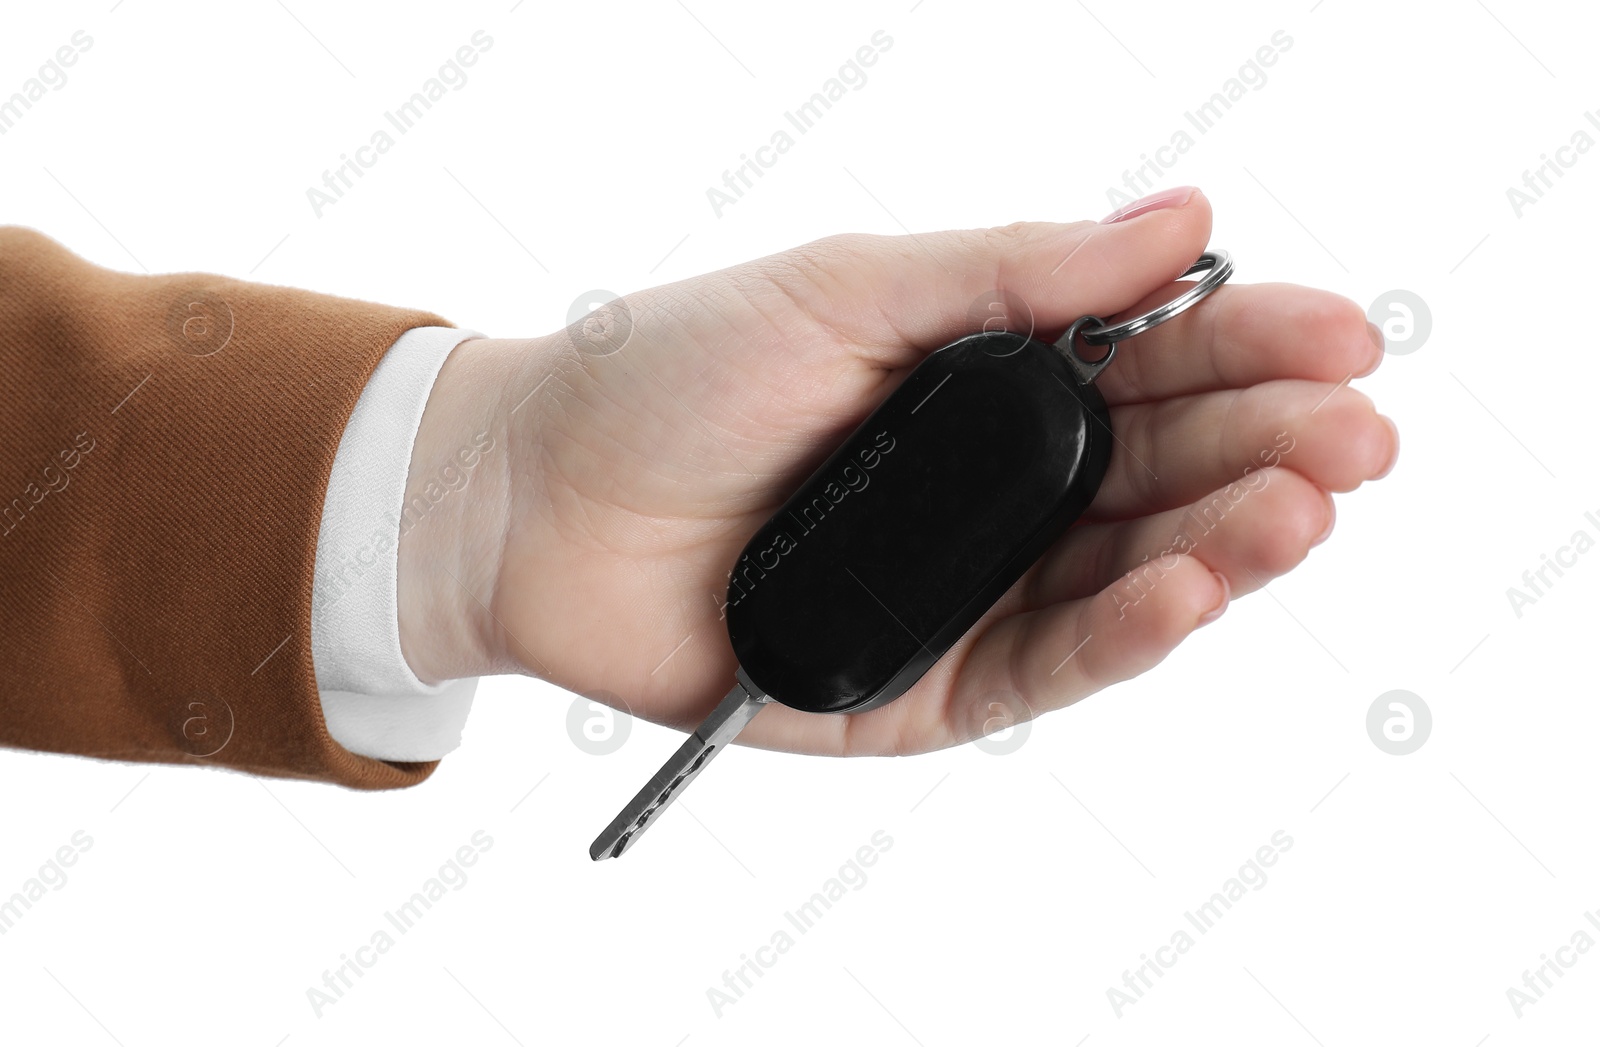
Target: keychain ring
1220	264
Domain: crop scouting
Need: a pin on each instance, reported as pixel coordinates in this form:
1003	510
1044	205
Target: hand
592	543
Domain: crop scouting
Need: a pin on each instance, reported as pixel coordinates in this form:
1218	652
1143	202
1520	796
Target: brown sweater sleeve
165	445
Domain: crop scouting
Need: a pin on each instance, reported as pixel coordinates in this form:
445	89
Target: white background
1018	888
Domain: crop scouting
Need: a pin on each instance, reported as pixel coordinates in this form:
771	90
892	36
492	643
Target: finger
1027	663
1167	454
1052	657
890	299
1251	532
1241	336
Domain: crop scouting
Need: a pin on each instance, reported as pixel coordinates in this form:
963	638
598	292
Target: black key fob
920	521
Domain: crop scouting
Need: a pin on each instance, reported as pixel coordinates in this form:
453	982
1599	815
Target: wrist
454	521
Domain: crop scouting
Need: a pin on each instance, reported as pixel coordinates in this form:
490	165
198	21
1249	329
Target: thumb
903	295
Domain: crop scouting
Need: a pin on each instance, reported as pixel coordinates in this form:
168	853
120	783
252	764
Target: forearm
160	599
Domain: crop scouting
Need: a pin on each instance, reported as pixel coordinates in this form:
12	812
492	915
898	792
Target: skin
591	543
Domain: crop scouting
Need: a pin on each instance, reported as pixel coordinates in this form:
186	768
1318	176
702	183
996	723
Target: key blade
718	730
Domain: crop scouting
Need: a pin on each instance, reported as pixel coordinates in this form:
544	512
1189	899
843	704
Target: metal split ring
1217	265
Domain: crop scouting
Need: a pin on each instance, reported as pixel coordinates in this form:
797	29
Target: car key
912	529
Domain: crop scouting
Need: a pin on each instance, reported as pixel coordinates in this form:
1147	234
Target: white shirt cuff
373	703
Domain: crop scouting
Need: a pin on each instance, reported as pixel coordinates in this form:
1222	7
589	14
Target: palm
651	467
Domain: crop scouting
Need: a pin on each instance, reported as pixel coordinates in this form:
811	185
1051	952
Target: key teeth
730	716
597	852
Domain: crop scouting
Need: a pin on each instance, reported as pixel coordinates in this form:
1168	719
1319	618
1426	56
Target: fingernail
1216	612
1375	333
1328	530
1175	197
1394	431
